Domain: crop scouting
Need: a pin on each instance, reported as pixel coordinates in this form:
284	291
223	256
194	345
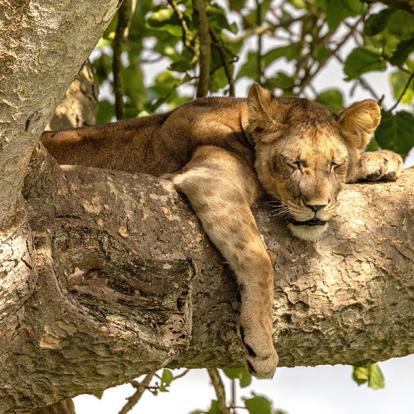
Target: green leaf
258	405
402	52
360	374
373	145
164	19
338	10
289	52
167	376
214	408
242	374
217	18
377	22
105	112
322	53
401	23
362	60
237	4
160	17
396	132
281	81
370	374
102	67
332	98
163	84
376	378
399	81
299	4
249	68
133	83
182	65
218	80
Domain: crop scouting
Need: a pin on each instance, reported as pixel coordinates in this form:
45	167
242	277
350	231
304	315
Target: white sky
300	390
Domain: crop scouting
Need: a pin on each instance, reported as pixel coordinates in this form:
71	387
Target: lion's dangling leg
221	188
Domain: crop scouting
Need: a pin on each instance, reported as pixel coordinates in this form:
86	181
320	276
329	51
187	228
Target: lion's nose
316	207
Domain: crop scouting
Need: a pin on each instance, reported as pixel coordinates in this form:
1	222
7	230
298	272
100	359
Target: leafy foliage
282	45
396	132
370	374
241	374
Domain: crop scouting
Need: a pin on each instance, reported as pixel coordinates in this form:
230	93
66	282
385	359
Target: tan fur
224	153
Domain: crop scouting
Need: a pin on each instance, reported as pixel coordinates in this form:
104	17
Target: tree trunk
42	46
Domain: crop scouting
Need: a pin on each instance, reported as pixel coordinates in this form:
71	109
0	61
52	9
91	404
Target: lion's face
303	156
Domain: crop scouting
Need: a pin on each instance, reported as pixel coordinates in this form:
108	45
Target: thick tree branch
42	46
128	283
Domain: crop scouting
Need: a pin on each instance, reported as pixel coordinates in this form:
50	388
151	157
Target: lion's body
223	153
156	144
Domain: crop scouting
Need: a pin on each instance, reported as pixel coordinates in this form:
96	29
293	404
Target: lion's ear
259	103
263	114
359	121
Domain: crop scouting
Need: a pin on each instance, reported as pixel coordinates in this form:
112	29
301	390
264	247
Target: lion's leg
221	188
377	166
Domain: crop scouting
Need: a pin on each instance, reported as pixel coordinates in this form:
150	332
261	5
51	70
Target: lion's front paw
262	357
381	166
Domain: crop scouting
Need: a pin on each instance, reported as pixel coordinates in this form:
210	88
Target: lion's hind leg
221	188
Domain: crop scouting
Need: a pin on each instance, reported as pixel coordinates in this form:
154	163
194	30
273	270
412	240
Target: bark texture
128	282
42	46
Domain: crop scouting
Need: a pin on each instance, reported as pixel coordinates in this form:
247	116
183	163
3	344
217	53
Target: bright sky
300	390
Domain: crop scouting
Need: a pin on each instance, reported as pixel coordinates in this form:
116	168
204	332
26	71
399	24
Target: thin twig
250	32
265	27
307	79
219	389
228	68
259	74
205	47
361	81
185	372
233	396
134	398
406	86
187	36
122	24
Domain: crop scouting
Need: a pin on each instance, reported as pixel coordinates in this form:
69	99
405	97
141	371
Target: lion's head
304	153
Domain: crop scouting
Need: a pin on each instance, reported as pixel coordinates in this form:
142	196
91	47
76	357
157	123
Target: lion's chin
308	233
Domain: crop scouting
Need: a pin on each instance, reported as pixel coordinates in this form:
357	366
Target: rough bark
77	109
128	282
42	46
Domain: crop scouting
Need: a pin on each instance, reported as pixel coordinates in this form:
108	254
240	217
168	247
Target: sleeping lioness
224	153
